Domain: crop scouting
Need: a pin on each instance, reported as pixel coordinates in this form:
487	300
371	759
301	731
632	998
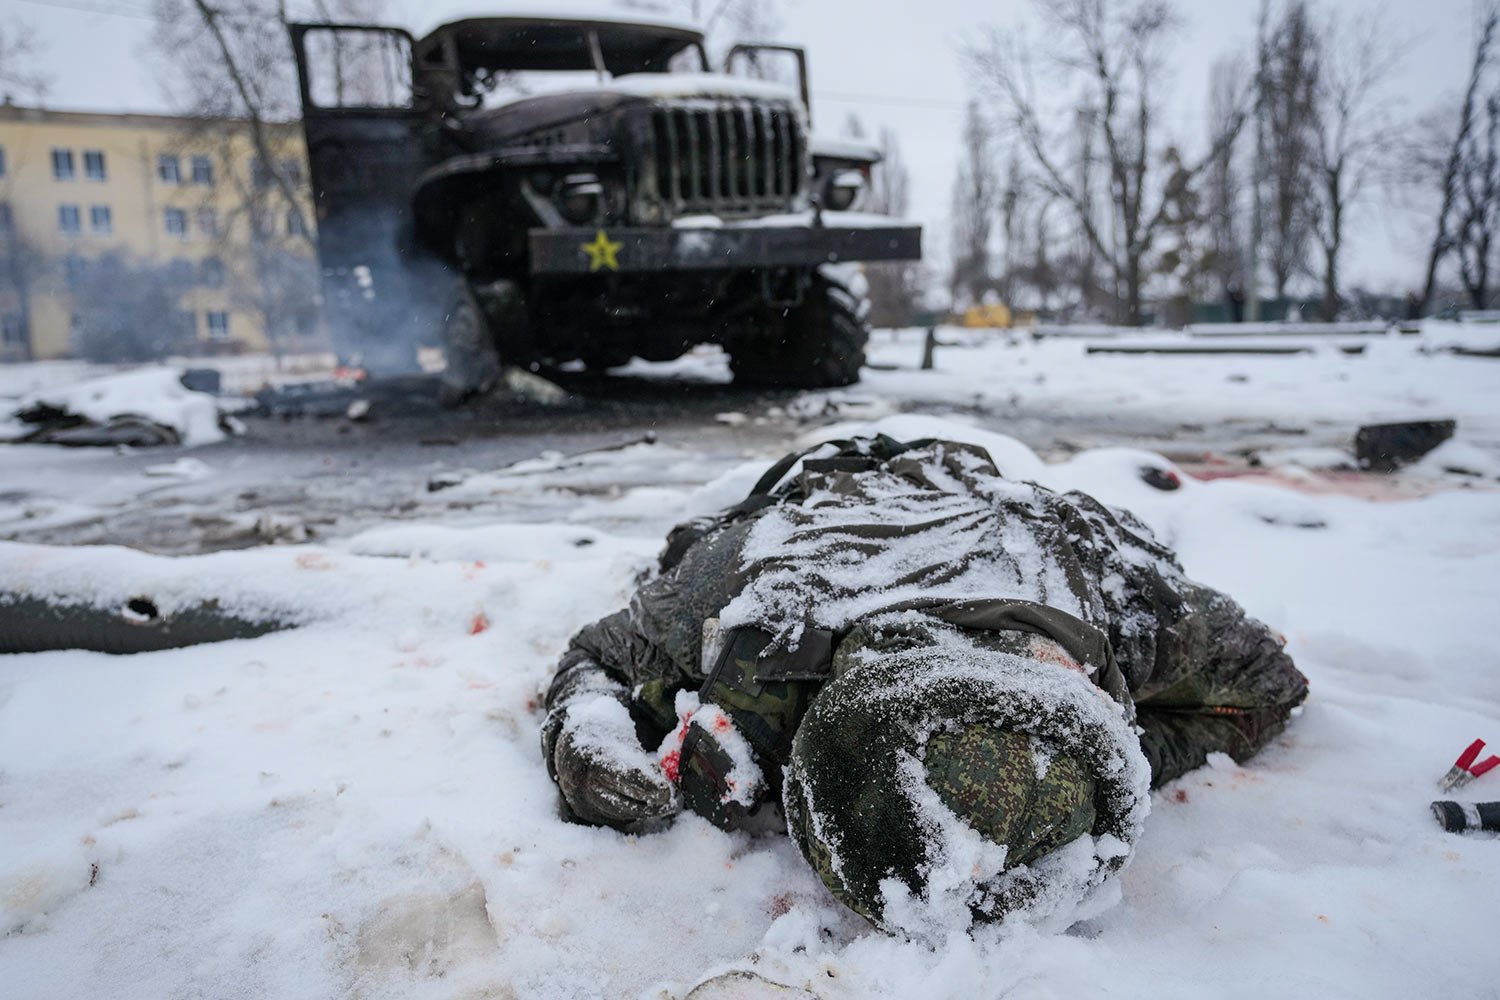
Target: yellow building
94	207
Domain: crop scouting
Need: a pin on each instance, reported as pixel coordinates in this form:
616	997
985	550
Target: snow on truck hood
666	85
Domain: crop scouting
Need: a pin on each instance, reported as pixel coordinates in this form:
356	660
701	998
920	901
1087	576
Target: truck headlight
579	197
843	189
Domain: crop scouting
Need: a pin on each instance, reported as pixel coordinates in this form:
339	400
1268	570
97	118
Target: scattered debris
145	408
342	397
282	529
445	481
1387	447
183	468
522	385
203	380
58	427
359	398
1161	479
1327	459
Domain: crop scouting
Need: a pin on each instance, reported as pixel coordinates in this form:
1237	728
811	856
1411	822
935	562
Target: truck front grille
732	157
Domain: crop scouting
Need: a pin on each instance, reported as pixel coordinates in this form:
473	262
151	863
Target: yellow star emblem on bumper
603	253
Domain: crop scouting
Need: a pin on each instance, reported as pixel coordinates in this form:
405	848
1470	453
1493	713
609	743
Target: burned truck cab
538	191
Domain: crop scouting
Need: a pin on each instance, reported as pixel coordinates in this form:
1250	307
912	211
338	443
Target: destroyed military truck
544	190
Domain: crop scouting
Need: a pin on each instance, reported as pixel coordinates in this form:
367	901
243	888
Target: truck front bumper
727	247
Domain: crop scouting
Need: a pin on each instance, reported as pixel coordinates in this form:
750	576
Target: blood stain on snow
479	623
1322	919
1180	795
671	764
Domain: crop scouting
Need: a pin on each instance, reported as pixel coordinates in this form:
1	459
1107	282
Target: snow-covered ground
358	808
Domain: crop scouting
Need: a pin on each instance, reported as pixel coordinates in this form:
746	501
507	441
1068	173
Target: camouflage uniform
842	573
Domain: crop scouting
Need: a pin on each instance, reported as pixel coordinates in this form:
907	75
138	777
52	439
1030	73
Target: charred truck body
536	191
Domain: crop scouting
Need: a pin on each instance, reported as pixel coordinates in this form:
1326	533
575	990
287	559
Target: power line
115	11
905	102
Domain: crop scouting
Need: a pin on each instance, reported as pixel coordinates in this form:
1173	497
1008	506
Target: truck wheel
469	346
817	345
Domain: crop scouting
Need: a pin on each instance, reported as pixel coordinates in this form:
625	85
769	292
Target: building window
212	272
175	221
2	161
101	222
6	219
218	325
208	222
69	220
62	164
93	164
12	330
296	225
168	169
203	170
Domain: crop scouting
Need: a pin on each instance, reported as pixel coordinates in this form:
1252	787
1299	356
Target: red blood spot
479	623
1180	795
479	564
721	724
671	763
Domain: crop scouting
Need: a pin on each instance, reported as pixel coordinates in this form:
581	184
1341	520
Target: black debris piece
1387	447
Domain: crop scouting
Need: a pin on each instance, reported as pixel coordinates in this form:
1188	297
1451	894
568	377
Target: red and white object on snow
1464	770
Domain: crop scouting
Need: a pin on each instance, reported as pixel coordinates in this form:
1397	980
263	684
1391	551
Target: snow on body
354	807
816	564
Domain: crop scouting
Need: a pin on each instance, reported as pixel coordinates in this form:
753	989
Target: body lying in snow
930	669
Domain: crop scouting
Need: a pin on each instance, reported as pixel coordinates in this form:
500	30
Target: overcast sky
893	62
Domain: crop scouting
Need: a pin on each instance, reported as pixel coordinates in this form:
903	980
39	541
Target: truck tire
819	344
468	345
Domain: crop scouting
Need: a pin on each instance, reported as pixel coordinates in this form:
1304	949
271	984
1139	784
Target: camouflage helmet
959	776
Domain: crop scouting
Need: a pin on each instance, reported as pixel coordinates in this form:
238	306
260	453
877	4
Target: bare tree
1183	260
1115	50
1350	132
233	61
125	310
729	22
1465	215
1287	105
234	58
1013	197
1224	182
18	52
976	194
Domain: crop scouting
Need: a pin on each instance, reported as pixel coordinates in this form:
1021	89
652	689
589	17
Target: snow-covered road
357	808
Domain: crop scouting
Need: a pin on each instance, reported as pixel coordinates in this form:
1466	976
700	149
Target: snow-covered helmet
964	778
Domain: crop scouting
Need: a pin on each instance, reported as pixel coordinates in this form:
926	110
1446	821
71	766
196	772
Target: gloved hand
604	775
